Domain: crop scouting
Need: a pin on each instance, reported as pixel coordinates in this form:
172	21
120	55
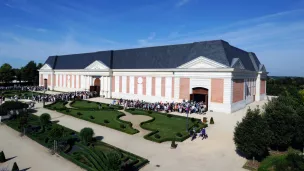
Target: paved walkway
68	105
29	154
217	153
136	120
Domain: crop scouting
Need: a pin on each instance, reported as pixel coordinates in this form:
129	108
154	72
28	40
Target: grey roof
170	56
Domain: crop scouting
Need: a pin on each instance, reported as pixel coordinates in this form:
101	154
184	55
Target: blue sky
36	29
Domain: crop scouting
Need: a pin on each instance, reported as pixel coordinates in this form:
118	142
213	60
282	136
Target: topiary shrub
89	101
149	112
122	126
111	108
211	120
157	136
169	116
54	108
179	134
86	135
79	114
15	167
92	117
2	157
173	145
193	119
132	109
106	121
67	110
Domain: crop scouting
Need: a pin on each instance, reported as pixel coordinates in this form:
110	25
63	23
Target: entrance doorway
45	83
200	94
96	87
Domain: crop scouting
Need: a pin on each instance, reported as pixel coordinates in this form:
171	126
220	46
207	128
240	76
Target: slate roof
159	57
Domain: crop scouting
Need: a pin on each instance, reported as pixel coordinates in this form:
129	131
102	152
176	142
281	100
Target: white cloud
32	29
144	42
182	2
31	49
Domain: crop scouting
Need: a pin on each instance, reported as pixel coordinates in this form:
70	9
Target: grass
82	104
69	146
105	117
166	127
270	161
12	93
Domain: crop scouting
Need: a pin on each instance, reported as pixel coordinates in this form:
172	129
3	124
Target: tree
6	73
18	74
281	118
298	141
45	119
86	135
252	135
29	72
15	167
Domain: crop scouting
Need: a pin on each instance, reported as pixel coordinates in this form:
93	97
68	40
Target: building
226	78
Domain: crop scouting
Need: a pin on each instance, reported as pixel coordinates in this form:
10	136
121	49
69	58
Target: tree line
29	73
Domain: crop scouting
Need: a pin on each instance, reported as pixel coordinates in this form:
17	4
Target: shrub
169	115
86	135
45	119
92	117
46	140
67	110
2	157
149	112
173	145
179	134
79	114
15	167
123	126
111	108
211	120
157	136
193	119
106	121
89	101
248	140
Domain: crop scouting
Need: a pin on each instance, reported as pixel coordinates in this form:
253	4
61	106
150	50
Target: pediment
96	65
202	62
237	63
46	67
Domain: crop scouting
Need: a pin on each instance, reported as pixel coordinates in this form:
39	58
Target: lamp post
43	99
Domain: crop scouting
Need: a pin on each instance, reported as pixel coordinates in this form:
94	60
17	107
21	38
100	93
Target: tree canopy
6	73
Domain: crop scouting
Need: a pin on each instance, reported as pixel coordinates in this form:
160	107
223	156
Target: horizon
34	30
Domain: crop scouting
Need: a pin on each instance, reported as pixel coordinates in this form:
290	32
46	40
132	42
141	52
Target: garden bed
105	117
167	127
88	157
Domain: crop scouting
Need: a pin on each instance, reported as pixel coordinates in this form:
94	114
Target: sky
36	29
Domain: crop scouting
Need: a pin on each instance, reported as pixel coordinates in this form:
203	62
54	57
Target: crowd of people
181	107
23	88
65	96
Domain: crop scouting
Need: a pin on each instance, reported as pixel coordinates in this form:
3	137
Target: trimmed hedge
154	131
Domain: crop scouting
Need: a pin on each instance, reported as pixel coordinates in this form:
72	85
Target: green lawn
91	158
105	117
12	93
167	127
83	104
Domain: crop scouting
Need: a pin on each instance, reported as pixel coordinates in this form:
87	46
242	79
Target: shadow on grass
8	159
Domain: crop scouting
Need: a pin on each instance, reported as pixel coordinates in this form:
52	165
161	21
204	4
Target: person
203	134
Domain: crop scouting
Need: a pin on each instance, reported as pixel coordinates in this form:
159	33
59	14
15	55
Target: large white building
224	77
